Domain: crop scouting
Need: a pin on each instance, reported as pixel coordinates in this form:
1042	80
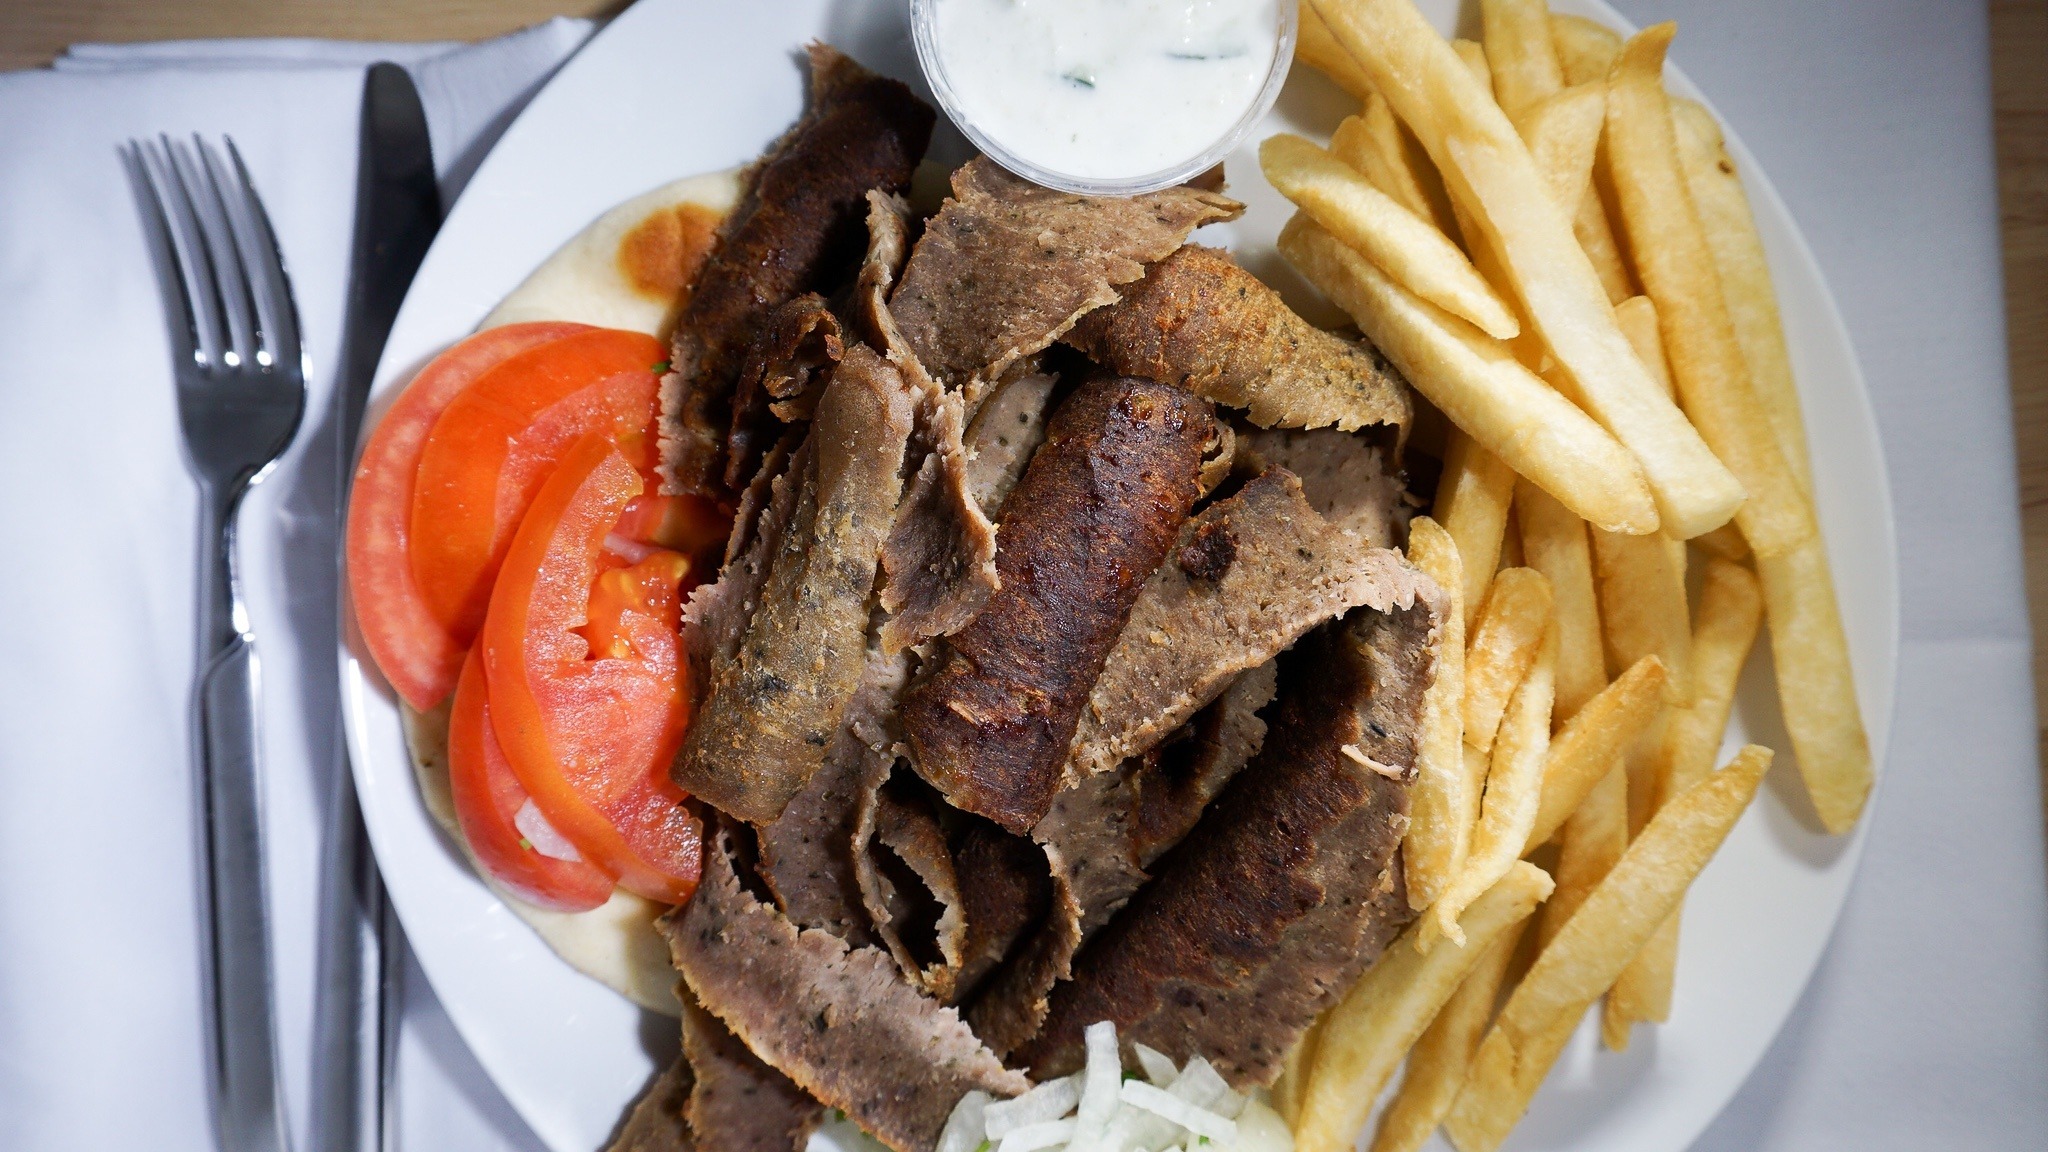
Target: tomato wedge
415	651
590	734
496	444
488	799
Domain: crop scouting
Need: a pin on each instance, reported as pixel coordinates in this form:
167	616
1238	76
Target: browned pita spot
1200	321
840	1021
774	704
659	257
1096	510
1288	888
738	1103
1007	266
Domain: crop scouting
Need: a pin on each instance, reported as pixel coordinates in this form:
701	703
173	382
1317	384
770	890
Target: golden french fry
1816	684
1563	132
1642	607
1514	782
1443	801
1518	45
1586	746
1314	46
1293	1079
1475	382
1594	838
1402	244
1738	252
1730	609
1472	501
1365	1035
1725	542
1554	543
1437	1063
1585	49
1591	949
1510	547
1637	316
1506	639
1473	55
1595	234
1678	273
1489	171
1386	153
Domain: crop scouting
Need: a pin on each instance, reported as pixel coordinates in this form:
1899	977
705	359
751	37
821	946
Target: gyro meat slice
989	724
737	1103
784	369
656	1122
1248	577
1200	321
796	229
1289	887
773	707
840	1021
1007	266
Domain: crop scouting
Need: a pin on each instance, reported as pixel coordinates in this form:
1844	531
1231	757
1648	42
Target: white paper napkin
100	1026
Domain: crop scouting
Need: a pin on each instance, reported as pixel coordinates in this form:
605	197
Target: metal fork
241	380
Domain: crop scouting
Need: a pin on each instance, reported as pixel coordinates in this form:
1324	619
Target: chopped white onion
1199	1084
1099	1080
1197	1120
966	1127
1049	1101
1260	1129
542	835
1159	1067
1032	1137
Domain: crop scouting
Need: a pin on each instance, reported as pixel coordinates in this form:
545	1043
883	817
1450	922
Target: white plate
674	87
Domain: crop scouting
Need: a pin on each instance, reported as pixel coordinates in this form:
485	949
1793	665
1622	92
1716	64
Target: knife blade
398	211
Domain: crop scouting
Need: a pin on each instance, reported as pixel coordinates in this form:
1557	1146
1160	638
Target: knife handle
249	1114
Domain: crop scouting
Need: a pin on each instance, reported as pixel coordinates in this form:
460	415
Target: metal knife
362	955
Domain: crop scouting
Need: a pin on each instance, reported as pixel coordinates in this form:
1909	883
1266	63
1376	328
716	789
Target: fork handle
249	1114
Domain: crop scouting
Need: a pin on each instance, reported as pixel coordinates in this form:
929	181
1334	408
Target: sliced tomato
495	445
415	651
590	734
689	524
488	800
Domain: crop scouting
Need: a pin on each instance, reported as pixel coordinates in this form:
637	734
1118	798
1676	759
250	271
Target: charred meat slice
773	707
718	612
1007	266
796	229
1093	516
1173	784
1200	321
909	883
1289	887
1250	575
779	380
738	1103
839	1021
658	1120
1005	889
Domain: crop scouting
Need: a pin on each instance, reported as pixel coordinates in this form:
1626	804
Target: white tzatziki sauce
1106	89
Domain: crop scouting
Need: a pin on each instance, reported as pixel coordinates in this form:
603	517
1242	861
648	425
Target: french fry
1314	46
1642	606
1473	55
1585	49
1738	253
1730	609
1563	132
1678	273
1375	143
1554	543
1506	640
1488	169
1594	838
1586	746
1594	231
1816	684
1403	245
1514	781
1482	389
1443	801
1437	1063
1293	1079
1365	1035
1591	949
1516	34
1725	542
1472	500
1637	316
1510	547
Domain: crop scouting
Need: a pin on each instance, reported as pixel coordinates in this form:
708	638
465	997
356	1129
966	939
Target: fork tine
271	284
238	317
195	271
163	257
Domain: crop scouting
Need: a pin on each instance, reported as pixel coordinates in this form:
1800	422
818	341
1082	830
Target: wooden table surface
33	31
